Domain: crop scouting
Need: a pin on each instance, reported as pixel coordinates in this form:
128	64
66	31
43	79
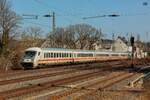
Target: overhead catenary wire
116	15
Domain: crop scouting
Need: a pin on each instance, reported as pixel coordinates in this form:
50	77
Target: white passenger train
36	57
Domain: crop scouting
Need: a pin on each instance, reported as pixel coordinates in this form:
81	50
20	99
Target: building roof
123	39
107	41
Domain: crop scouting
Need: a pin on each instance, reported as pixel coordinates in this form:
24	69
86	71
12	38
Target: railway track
31	73
30	88
93	87
91	70
49	84
52	68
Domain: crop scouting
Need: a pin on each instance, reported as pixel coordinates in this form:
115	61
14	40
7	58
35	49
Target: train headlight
27	60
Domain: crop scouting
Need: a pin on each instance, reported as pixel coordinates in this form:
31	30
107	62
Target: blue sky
134	16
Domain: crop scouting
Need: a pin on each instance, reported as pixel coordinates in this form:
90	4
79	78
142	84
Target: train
36	57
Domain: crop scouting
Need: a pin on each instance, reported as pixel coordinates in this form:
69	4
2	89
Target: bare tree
8	21
32	36
79	36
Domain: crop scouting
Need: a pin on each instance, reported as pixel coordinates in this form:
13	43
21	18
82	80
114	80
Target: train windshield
29	54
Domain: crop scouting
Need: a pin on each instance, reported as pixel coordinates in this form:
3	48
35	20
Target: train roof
78	50
63	49
72	50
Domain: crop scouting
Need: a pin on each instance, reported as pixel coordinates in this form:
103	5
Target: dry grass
115	96
146	86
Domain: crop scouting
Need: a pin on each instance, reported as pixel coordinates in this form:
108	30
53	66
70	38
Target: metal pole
132	44
53	24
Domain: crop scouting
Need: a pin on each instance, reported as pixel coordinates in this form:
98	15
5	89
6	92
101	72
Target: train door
37	58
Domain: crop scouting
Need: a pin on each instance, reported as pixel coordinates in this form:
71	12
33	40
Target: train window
54	55
114	55
123	55
44	55
75	55
57	55
51	55
71	55
91	55
48	55
60	55
98	55
63	55
79	55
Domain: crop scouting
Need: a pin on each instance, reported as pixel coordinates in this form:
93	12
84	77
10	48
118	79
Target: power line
47	6
116	15
63	13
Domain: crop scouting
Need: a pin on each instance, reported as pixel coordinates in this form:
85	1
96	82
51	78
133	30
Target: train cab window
38	53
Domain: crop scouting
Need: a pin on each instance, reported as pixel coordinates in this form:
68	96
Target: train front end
30	58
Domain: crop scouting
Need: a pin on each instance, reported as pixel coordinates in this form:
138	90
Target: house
104	45
120	45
